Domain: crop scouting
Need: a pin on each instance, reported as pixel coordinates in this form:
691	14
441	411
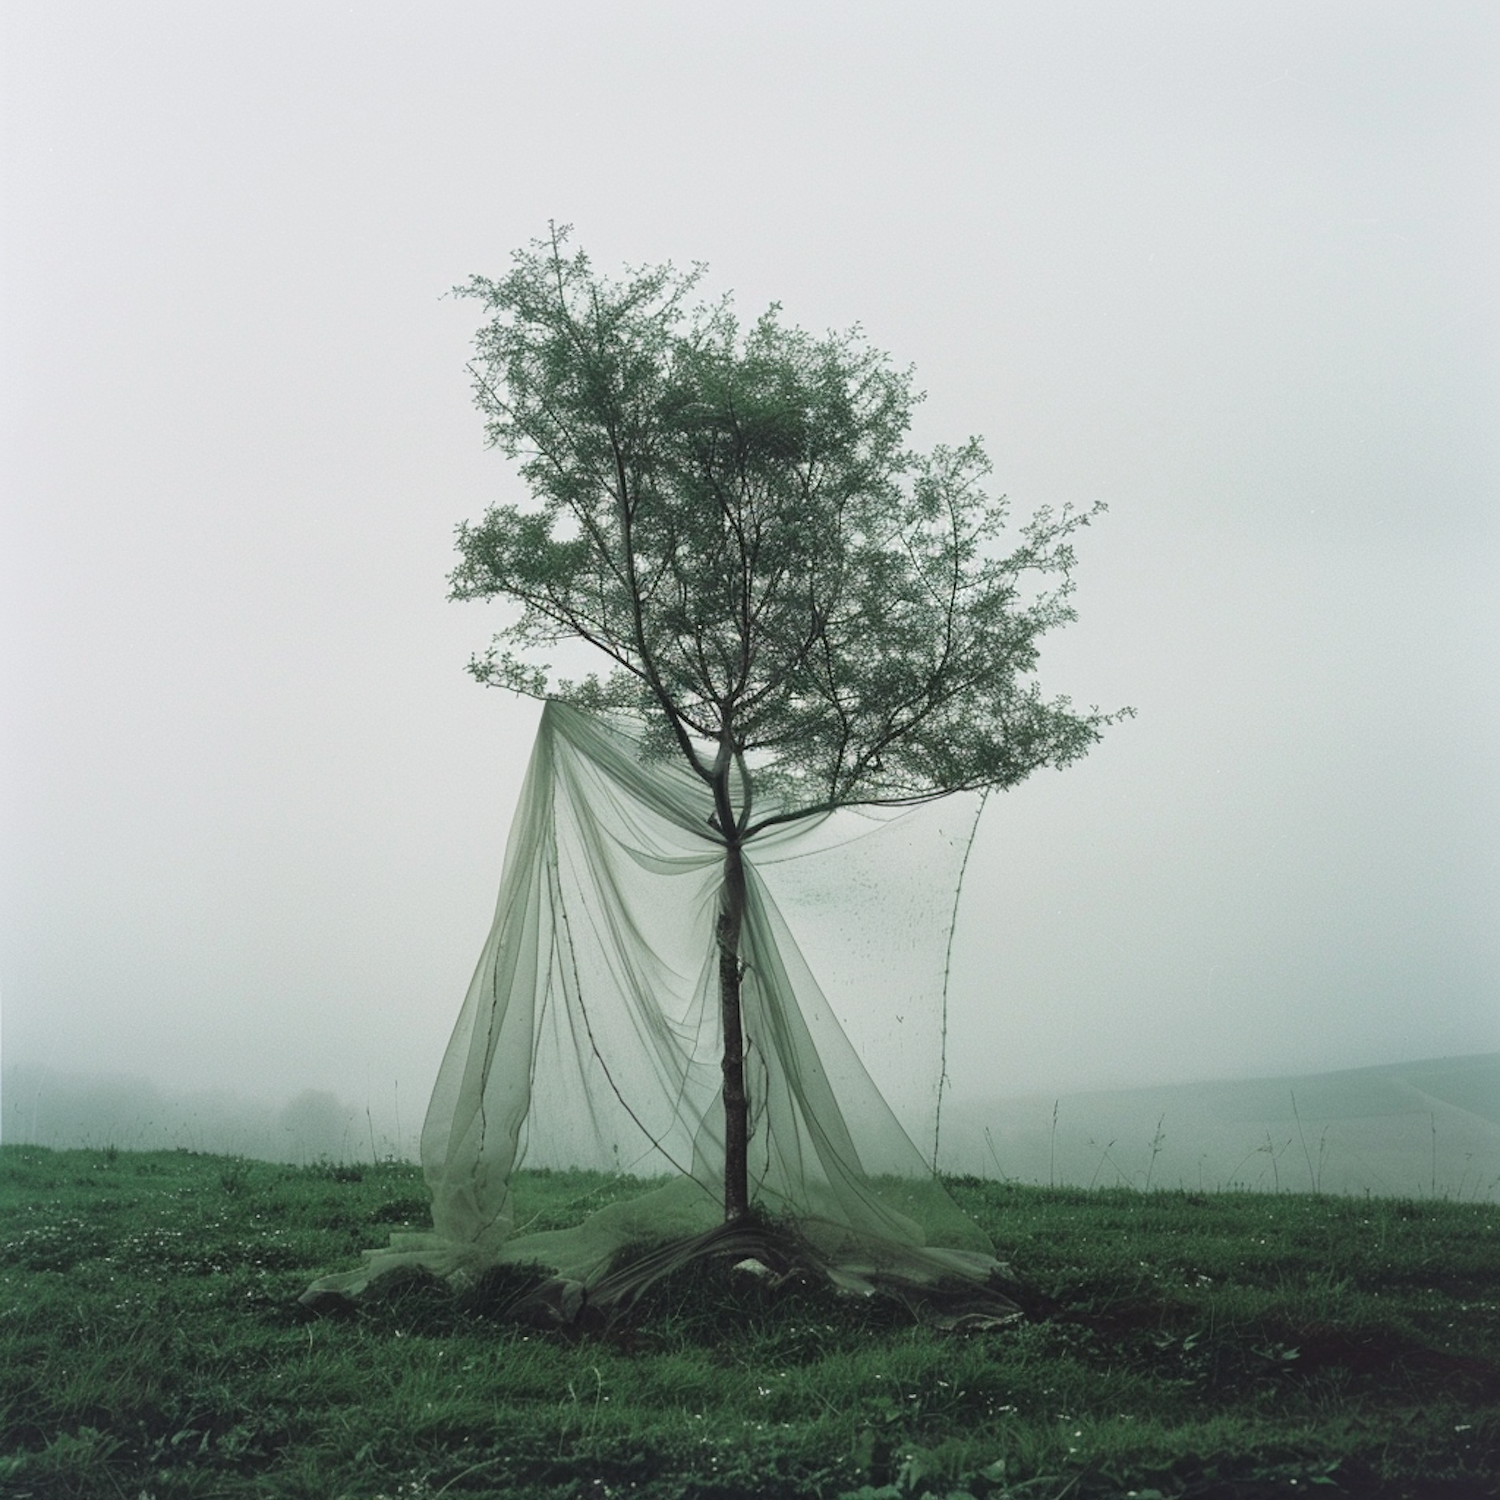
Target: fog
1228	269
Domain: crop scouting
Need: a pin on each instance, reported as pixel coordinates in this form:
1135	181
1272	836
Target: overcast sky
1228	267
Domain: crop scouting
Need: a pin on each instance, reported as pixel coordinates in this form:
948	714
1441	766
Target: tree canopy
798	602
813	614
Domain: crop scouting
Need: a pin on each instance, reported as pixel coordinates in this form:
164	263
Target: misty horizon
1419	1130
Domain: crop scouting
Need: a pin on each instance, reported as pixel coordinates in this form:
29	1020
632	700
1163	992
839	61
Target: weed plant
1177	1345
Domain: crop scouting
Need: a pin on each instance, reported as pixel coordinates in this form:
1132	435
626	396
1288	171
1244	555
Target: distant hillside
1409	1130
39	1106
1418	1129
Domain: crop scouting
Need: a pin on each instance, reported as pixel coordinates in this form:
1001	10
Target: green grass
151	1344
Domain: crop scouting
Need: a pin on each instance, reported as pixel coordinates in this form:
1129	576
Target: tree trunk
736	1103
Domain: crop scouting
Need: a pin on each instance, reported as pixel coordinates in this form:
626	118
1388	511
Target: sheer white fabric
590	1035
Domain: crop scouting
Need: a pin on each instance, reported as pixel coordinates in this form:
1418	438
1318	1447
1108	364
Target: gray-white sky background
1227	267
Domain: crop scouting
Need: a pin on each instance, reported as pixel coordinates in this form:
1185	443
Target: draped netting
590	1036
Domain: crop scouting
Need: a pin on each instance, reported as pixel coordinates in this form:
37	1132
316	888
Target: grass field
1177	1344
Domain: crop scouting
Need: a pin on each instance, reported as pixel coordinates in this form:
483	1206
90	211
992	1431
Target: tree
812	615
